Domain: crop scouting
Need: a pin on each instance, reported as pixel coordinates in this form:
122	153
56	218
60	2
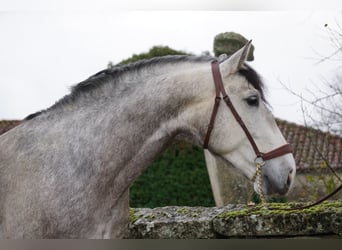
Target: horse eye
253	101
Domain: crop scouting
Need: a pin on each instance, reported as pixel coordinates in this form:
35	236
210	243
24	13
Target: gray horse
65	171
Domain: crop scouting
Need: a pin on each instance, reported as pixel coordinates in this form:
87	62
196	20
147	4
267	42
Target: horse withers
65	171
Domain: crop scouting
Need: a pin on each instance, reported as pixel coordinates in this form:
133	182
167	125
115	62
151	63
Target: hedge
177	178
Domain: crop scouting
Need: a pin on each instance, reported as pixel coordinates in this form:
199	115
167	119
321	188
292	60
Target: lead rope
257	176
260	190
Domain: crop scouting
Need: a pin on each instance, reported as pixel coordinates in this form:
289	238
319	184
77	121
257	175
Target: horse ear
235	61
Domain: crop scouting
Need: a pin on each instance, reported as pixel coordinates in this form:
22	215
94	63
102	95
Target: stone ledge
235	221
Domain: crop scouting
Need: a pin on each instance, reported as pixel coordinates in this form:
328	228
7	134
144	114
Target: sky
43	53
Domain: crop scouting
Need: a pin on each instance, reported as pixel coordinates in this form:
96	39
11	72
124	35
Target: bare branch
332	111
324	158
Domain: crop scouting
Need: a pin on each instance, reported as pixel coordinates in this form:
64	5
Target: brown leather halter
260	157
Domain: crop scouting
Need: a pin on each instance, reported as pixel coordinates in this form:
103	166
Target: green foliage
272	199
230	42
319	176
277	199
178	177
155	51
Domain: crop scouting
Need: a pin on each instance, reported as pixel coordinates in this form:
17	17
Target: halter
260	157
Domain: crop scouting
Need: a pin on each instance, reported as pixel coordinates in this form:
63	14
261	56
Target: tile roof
305	142
309	145
6	125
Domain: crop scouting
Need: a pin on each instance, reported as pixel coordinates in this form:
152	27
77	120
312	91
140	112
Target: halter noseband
219	88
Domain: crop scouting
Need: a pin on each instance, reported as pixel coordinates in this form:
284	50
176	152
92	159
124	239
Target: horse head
247	120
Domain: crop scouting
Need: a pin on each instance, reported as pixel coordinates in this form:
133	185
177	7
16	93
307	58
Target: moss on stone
183	210
282	209
237	221
281	219
150	217
132	217
194	215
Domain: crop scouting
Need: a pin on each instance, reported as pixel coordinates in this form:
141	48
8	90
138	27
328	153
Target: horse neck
156	110
149	116
124	125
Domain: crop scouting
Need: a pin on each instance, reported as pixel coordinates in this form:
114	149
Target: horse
65	171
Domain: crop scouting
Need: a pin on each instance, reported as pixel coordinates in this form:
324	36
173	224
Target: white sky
43	53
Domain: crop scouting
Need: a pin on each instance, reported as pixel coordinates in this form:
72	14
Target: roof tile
308	145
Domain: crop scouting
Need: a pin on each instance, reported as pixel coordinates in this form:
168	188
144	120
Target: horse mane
114	74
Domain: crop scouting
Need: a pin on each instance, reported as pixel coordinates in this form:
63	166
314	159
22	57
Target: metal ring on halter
259	161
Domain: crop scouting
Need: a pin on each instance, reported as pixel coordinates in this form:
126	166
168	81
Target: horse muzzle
277	176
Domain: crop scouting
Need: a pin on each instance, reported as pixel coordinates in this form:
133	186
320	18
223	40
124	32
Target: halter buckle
217	99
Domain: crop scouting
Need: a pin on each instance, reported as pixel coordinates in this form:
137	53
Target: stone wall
237	221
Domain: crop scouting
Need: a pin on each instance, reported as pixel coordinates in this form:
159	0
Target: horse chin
270	191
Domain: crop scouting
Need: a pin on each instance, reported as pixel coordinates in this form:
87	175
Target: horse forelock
253	78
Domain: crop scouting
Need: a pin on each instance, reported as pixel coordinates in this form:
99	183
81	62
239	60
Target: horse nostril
289	178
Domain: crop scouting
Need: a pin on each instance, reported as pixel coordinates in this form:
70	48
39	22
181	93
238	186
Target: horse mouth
276	189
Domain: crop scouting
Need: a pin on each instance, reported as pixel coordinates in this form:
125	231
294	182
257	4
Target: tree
325	102
322	109
230	42
328	103
155	51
